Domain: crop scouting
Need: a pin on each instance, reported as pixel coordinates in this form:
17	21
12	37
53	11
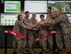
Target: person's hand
34	25
35	29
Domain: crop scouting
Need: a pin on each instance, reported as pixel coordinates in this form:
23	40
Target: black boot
48	50
14	51
41	52
69	53
44	52
51	51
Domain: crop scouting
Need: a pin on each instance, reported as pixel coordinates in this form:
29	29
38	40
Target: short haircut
19	16
59	9
49	8
41	15
26	12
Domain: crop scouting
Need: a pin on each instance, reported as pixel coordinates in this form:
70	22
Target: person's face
48	11
33	15
27	15
20	17
58	12
42	18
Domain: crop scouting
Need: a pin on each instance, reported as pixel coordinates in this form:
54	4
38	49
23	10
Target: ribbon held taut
15	34
25	37
44	35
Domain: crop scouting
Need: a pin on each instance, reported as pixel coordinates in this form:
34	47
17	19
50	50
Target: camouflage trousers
58	38
67	41
31	38
24	42
17	43
30	41
43	42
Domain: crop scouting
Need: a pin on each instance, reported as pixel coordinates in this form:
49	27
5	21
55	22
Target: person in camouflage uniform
24	31
42	30
59	41
58	37
32	32
28	32
49	19
65	25
18	41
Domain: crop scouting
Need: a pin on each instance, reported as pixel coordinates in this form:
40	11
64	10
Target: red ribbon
15	34
25	37
44	35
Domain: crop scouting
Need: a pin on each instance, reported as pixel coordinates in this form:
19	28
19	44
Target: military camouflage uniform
32	33
58	36
29	26
65	25
24	31
17	41
50	38
43	41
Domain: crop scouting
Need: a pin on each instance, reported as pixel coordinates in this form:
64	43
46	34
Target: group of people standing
54	20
